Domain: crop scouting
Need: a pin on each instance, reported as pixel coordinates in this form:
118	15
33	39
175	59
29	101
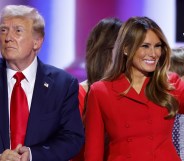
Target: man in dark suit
54	129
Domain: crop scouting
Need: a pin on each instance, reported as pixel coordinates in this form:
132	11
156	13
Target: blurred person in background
98	60
177	61
177	65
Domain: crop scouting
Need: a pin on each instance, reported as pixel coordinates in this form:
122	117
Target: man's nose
9	36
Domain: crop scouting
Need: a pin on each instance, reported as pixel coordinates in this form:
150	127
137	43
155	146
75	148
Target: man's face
17	42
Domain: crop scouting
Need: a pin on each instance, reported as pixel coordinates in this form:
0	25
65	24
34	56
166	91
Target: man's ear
37	43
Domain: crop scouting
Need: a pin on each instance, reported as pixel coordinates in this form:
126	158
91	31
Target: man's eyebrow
16	26
3	26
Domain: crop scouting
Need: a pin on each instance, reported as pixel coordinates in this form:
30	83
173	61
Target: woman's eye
158	46
145	46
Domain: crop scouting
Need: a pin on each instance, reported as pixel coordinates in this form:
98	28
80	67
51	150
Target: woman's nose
152	52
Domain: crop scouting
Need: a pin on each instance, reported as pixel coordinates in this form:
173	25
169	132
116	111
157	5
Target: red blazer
136	126
81	97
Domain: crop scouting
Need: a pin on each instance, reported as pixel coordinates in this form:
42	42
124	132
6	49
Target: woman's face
147	55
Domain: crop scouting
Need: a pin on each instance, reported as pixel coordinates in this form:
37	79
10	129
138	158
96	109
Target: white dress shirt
27	84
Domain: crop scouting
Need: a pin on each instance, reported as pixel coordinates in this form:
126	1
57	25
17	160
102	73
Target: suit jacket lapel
41	93
4	114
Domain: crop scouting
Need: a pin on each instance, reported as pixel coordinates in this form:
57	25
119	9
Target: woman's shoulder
83	86
101	84
173	77
176	81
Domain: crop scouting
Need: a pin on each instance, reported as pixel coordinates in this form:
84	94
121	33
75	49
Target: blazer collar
122	84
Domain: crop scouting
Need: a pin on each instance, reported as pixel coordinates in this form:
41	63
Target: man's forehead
16	22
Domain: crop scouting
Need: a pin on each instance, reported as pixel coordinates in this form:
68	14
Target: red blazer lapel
122	84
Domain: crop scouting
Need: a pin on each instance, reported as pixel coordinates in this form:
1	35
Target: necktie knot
19	76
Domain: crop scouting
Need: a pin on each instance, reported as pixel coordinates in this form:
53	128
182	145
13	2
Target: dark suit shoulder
59	76
57	71
2	62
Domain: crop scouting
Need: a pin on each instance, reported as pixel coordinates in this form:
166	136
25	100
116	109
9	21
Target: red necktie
18	112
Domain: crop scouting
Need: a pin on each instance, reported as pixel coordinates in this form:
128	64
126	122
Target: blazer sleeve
94	129
68	139
82	94
178	83
180	93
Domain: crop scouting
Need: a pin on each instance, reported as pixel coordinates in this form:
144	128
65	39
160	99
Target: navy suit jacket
54	131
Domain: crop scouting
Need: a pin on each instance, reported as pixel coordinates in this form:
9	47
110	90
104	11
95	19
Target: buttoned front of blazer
135	126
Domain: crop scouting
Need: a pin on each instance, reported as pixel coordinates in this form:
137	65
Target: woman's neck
138	81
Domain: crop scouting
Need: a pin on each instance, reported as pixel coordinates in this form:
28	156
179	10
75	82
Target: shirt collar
29	72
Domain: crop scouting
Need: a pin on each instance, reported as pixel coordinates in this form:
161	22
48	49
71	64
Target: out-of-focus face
17	42
182	78
147	55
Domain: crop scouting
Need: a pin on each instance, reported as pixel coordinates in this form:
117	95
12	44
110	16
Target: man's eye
18	30
3	30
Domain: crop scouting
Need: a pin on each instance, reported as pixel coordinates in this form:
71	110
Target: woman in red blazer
137	101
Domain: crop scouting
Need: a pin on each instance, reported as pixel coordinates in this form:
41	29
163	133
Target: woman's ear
125	51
